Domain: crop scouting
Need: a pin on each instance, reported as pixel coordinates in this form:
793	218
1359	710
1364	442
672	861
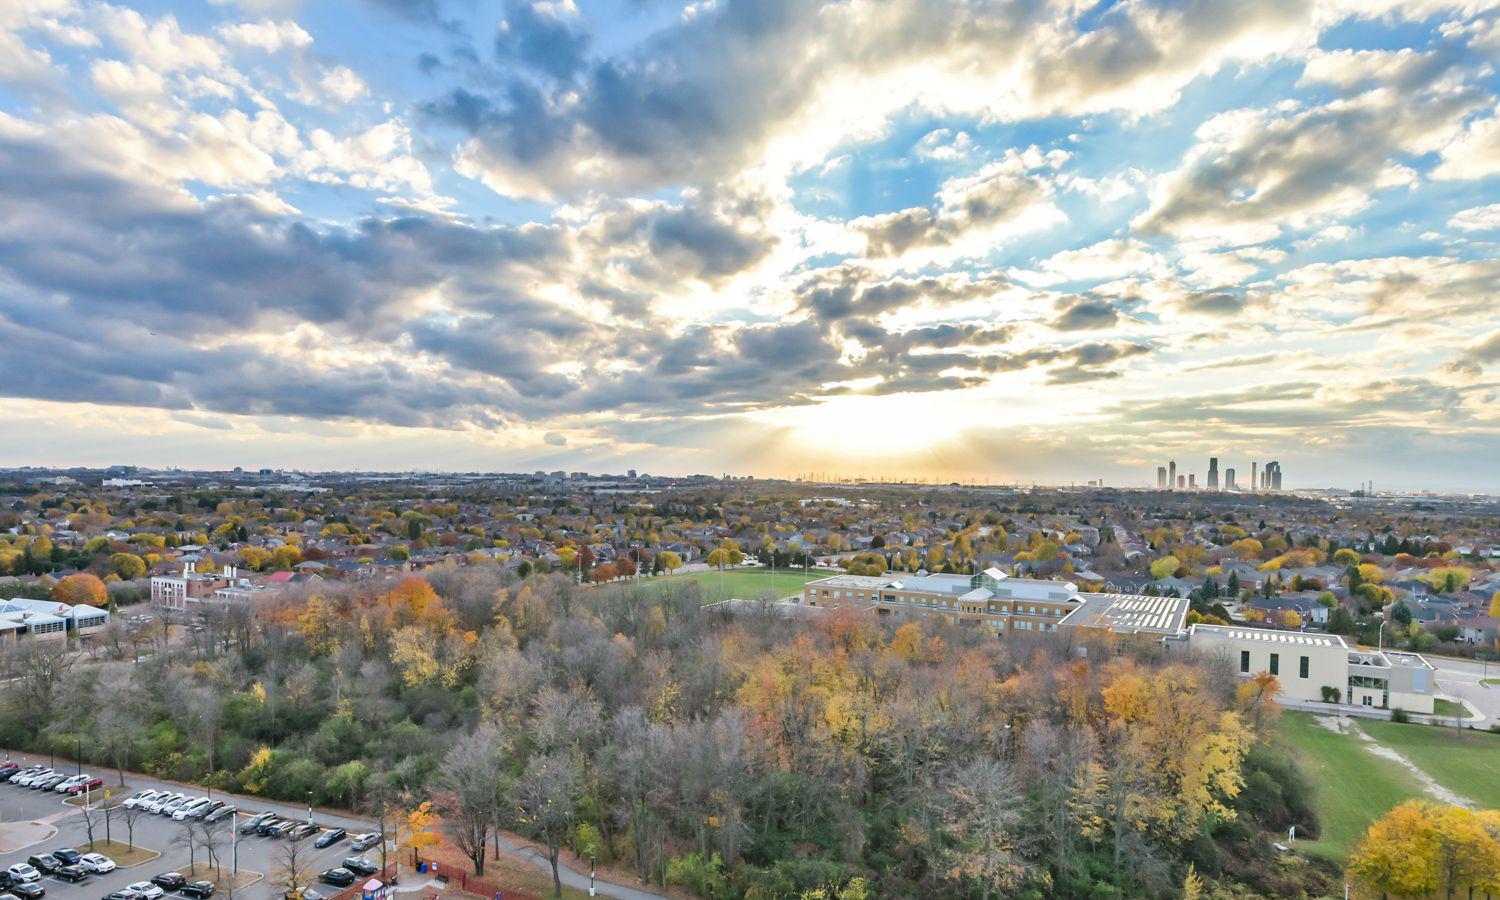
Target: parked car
339	877
23	872
171	807
255	821
185	811
9	767
67	856
202	812
70	872
161	800
49	782
45	863
222	812
363	842
197	890
29	891
169	881
360	866
62	786
142	798
96	863
270	825
329	838
89	783
146	890
25	779
302	832
119	895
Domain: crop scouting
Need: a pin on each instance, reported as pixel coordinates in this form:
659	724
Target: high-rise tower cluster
1262	478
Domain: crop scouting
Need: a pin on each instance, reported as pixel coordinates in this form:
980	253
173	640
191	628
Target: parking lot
160	833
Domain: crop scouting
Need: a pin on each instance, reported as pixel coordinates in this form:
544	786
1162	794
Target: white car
141	798
186	810
97	863
23	872
62	786
172	806
33	778
145	890
161	800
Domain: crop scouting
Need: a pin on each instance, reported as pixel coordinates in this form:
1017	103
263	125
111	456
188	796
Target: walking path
1429	784
573	879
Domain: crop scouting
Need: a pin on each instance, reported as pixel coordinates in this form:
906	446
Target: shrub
1400	715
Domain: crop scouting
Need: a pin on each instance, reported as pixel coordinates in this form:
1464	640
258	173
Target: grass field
745	584
1351	787
1490	682
1448	709
1465	762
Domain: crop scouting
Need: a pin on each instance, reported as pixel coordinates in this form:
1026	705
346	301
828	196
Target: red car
93	784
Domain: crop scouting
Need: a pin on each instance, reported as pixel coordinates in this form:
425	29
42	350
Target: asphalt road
1461	678
256	854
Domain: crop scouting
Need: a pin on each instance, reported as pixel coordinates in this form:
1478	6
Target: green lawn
1465	762
1490	682
1351	786
745	584
1448	709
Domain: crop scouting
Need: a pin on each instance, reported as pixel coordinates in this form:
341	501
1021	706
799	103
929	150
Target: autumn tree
1420	848
543	802
980	811
81	587
471	786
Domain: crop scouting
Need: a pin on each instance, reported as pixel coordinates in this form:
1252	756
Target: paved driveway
256	854
1461	678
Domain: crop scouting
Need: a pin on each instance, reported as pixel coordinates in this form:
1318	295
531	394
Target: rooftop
1129	613
1265	635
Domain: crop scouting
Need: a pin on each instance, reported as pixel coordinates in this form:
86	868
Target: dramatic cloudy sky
1032	240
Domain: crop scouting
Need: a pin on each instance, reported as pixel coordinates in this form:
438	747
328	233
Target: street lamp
309	807
1380	635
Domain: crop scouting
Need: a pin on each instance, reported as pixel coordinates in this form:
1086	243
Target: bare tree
130	814
292	867
979	811
38	669
210	838
544	804
471	784
188	838
90	821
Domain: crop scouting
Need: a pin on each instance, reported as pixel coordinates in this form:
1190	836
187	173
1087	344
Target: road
256	854
1461	678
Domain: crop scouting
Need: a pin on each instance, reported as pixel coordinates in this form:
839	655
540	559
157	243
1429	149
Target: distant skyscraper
1229	479
1273	475
1254	485
1193	482
1161	478
1172	474
1182	482
1213	473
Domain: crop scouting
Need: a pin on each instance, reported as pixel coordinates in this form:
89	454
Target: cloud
266	35
1478	218
544	36
553	439
1085	314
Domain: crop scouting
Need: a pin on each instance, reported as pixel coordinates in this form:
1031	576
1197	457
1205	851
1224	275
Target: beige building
1003	604
1305	663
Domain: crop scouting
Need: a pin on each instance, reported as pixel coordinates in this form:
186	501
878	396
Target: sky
1029	241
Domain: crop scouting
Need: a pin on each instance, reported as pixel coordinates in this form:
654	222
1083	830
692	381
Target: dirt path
1433	789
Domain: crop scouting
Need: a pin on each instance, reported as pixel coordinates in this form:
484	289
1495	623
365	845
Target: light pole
234	845
591	876
1380	636
309	807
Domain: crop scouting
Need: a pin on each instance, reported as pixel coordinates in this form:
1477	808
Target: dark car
198	890
266	826
364	842
67	856
222	812
9	768
360	866
255	821
120	895
45	863
169	881
326	839
338	877
71	872
281	828
29	891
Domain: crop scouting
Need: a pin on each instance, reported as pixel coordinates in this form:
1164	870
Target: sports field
745	584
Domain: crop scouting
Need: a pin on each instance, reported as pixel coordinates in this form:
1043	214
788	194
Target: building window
1302	668
1245	661
1367	700
1275	663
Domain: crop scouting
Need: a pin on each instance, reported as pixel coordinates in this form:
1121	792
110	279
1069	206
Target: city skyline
949	242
